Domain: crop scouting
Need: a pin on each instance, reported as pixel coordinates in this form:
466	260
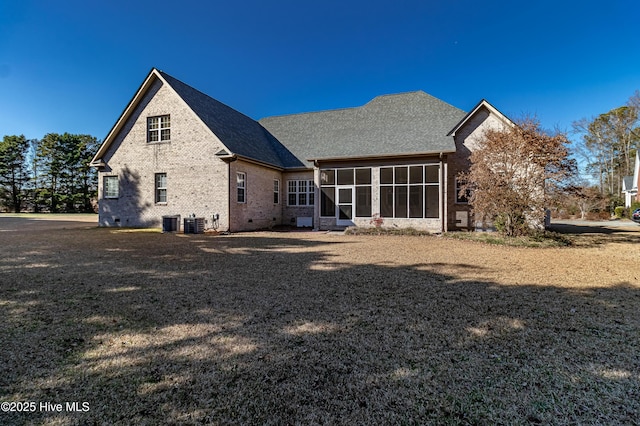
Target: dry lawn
316	328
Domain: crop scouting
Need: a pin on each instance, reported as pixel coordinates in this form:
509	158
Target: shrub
619	212
602	215
511	226
361	230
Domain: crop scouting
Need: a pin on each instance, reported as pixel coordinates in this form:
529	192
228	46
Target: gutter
377	157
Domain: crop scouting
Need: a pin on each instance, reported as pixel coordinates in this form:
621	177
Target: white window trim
276	191
353	185
158	188
310	190
424	184
159	129
241	184
117	188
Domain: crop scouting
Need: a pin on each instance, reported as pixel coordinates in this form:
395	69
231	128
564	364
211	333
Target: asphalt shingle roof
240	134
406	123
401	124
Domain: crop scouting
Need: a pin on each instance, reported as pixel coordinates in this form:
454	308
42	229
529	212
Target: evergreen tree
14	173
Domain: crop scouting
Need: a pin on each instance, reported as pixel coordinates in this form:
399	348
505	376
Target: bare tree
586	198
609	142
512	171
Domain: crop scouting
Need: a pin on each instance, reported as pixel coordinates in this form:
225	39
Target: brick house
175	151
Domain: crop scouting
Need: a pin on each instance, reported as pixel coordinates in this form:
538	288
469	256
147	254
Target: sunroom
406	195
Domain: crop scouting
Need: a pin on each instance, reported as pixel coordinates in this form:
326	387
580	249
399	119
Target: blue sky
72	66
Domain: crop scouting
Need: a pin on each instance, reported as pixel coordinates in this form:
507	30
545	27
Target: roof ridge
323	111
359	107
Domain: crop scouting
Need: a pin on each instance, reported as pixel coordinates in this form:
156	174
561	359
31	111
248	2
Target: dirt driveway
315	328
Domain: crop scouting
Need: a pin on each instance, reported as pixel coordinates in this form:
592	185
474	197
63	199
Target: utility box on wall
462	219
304	222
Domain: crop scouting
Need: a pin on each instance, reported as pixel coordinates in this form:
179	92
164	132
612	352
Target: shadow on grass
594	235
258	329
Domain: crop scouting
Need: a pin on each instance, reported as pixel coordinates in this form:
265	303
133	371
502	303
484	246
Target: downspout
229	197
445	197
229	193
316	196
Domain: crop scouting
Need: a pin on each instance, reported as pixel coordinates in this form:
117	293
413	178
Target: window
410	191
464	198
343	181
111	187
300	193
161	188
276	191
241	184
159	128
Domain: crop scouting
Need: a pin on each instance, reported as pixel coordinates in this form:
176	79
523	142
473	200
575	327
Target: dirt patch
315	328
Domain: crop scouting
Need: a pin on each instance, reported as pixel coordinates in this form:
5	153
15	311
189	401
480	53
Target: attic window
159	128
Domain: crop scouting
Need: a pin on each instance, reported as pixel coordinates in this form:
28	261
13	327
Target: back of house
176	152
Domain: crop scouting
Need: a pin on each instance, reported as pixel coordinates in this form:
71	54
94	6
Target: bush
363	230
535	239
517	226
598	216
619	212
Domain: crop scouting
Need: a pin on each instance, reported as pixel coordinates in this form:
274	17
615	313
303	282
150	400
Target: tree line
51	174
608	144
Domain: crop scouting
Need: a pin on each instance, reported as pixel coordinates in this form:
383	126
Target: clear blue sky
72	66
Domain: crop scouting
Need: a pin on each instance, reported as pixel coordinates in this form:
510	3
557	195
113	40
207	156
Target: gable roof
241	135
482	104
405	124
389	125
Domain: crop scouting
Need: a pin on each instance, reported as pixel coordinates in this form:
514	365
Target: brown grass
315	328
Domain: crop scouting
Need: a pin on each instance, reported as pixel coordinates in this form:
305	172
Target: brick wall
466	140
259	210
197	181
291	213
